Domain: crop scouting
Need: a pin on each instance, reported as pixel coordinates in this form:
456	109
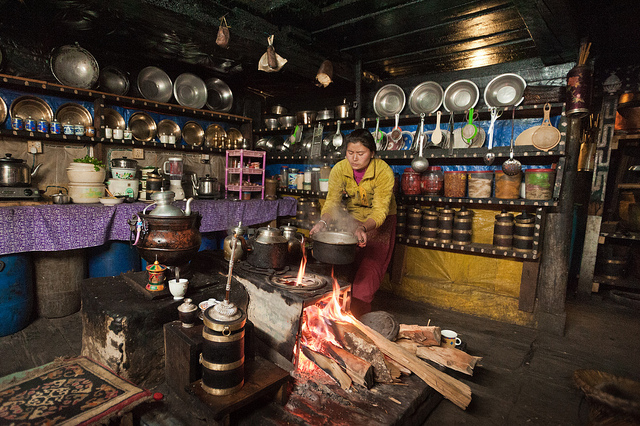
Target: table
72	226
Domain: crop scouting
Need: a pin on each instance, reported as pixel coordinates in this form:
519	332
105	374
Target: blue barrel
211	241
113	258
16	293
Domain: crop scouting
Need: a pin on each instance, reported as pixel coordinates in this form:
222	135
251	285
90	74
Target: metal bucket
222	356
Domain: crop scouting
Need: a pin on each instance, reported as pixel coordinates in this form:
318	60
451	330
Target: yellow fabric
373	198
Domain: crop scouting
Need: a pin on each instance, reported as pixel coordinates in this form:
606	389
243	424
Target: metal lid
269	235
504	215
9	159
208	178
525	217
187	306
288	228
214	321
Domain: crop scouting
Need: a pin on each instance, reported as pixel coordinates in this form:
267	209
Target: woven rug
71	391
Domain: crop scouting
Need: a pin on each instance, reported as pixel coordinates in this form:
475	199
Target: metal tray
143	127
31	106
215	136
74	114
113	119
169	127
234	139
192	133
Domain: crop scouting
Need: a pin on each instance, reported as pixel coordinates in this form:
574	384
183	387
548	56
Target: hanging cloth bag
222	39
271	61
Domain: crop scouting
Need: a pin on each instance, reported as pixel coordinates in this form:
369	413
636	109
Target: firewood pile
356	355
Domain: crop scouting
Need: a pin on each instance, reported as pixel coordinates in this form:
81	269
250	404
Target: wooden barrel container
445	218
463	220
222	356
613	260
523	231
428	234
414	216
413	231
503	230
57	281
462	236
430	218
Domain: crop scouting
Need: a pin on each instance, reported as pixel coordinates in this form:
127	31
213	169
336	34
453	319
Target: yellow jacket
373	198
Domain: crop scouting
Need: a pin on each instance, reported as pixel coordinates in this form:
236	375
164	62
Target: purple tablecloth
72	226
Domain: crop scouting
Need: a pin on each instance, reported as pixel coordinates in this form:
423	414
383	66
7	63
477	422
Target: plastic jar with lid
480	183
539	183
455	183
410	182
432	181
507	187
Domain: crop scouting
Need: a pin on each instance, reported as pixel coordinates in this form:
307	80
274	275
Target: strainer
547	136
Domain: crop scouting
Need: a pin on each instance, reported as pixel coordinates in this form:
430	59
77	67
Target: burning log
360	371
396	369
329	366
425	335
453	358
361	346
452	389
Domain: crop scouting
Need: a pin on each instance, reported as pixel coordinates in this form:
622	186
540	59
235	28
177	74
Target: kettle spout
187	209
35	170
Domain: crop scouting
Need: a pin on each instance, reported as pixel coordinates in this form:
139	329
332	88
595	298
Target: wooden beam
528	286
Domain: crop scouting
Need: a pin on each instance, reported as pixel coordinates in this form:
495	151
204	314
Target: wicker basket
613	399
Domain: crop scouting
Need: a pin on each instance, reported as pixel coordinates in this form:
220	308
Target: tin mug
108	132
55	127
90	131
68	129
164	138
78	129
30	124
118	133
172	138
17	123
43	126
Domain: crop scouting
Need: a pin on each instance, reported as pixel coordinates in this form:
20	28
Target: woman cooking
362	186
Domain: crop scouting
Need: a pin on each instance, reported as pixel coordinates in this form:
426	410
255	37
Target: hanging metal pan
190	91
389	100
75	114
460	96
74	66
505	90
31	106
143	127
193	133
154	84
426	98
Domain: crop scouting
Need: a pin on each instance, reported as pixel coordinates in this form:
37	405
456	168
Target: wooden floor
525	377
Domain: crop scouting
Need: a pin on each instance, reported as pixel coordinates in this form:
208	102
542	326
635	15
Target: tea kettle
162	201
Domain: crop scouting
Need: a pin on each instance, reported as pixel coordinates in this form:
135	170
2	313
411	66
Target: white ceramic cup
164	138
178	288
118	133
449	339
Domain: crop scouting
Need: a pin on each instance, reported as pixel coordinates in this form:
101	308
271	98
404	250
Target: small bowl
111	201
123	173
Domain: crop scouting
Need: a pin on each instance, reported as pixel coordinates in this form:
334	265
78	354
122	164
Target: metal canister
222	356
30	124
68	129
78	129
302	210
579	91
17	123
445	225
503	230
523	231
55	128
429	229
43	126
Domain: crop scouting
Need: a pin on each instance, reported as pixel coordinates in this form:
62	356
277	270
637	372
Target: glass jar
432	181
284	177
410	182
480	183
539	183
300	180
507	187
455	183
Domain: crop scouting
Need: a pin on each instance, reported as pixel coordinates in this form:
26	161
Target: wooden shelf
406	199
633	236
301	192
475	248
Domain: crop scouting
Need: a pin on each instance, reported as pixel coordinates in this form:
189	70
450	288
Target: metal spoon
490	157
436	136
337	138
420	164
512	167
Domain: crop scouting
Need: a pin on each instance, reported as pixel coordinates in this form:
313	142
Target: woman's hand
361	235
318	227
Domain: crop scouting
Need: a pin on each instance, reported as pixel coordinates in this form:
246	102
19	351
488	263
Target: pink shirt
358	175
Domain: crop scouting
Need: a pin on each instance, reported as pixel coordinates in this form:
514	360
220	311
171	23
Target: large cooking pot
268	249
305	117
15	172
335	248
345	110
208	186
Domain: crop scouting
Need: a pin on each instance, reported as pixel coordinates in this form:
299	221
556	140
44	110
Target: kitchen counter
57	227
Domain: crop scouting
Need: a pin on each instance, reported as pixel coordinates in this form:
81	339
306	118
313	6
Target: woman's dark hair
364	137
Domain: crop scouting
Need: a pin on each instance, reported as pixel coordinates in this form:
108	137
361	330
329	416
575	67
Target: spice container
432	181
410	182
503	230
507	187
523	231
306	185
480	183
455	183
539	183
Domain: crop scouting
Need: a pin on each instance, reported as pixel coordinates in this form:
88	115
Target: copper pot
173	240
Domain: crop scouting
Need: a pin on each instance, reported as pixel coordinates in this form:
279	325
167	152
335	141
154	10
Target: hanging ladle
489	157
420	164
337	138
512	167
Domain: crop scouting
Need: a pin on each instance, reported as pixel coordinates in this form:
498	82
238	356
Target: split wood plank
425	335
329	366
452	358
452	389
360	371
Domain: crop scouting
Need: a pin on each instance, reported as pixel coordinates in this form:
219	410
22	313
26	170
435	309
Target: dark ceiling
380	40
